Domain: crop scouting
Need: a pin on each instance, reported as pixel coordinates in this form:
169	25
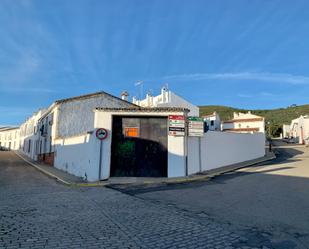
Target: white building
286	130
69	118
137	145
9	138
245	123
213	122
29	135
167	99
299	129
140	142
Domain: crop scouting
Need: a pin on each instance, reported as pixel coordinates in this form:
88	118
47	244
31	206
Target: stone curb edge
42	170
147	182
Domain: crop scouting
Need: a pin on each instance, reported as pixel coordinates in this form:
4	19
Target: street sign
101	133
195	127
176	125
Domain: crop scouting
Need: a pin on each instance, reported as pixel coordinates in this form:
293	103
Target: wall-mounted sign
131	132
176	125
195	127
101	133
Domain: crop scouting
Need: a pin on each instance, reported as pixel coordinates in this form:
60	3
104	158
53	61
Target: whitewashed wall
9	138
29	133
76	117
220	149
241	124
176	101
176	148
167	99
78	156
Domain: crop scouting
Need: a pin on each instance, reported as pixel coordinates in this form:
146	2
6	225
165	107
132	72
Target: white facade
167	99
64	136
213	122
70	118
29	135
219	149
9	138
245	123
299	129
80	155
286	130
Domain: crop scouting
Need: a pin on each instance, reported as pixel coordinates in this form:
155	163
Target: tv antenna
140	84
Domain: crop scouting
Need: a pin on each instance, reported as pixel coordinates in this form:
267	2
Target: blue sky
242	53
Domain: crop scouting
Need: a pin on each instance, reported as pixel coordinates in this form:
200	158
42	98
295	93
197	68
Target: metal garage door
139	146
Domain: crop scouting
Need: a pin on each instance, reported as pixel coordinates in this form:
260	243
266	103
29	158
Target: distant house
9	138
299	129
286	130
245	123
212	122
167	99
29	135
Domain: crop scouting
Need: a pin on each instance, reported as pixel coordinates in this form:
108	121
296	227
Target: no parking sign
101	133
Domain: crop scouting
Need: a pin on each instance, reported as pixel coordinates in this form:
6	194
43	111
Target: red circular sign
101	133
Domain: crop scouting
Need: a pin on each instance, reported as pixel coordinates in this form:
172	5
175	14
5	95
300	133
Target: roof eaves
143	109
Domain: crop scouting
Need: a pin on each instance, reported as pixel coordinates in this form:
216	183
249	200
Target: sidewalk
52	172
122	182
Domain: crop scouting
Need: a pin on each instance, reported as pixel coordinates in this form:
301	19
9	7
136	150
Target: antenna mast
140	83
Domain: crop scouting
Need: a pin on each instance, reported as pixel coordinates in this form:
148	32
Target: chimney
124	95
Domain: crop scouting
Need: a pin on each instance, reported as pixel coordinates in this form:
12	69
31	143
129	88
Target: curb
231	168
57	178
44	171
198	177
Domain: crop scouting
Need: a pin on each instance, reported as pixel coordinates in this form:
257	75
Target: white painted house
69	118
213	122
286	130
29	135
140	142
137	145
9	138
299	129
151	150
167	99
245	123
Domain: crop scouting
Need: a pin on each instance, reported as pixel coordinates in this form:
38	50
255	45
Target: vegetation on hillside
274	118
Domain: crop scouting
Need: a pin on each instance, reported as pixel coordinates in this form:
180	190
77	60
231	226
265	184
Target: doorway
139	146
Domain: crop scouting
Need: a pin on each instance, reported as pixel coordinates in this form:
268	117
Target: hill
276	117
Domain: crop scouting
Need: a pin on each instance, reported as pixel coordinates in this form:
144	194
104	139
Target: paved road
271	197
37	212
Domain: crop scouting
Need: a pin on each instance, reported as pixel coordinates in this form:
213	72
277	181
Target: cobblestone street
37	212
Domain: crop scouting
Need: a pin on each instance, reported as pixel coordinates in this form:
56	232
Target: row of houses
147	138
298	130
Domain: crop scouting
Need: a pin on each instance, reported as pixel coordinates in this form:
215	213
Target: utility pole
269	136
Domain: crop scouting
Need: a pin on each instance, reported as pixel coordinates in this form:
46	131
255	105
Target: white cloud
243	95
26	90
263	76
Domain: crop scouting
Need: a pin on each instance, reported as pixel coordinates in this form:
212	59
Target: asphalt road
37	212
272	197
